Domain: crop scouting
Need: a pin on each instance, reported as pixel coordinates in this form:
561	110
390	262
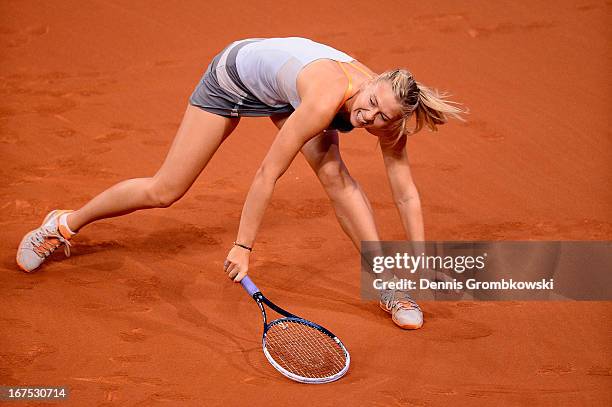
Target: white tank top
269	67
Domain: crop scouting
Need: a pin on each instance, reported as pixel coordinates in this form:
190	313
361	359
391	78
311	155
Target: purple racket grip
249	286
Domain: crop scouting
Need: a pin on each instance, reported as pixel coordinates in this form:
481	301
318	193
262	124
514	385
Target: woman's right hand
236	264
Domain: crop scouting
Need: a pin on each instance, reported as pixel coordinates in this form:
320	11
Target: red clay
142	314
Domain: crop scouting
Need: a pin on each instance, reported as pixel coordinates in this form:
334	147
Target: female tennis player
310	91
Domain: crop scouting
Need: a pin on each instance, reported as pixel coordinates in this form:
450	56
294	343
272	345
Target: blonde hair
430	107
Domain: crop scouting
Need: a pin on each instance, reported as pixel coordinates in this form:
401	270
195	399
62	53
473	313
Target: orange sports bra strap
360	69
349	88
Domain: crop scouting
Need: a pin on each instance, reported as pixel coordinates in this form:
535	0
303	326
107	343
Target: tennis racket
300	349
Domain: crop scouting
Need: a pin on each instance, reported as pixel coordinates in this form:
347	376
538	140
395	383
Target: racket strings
304	350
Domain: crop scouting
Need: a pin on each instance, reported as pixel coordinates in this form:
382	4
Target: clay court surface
142	314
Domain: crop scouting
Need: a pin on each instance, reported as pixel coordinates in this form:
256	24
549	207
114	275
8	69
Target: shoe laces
46	240
400	300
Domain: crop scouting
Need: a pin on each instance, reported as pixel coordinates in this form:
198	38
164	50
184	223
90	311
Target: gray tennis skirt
228	96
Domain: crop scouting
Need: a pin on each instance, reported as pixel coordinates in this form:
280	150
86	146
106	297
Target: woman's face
375	107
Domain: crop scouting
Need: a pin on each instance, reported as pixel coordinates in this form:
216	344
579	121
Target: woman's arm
405	194
312	117
408	203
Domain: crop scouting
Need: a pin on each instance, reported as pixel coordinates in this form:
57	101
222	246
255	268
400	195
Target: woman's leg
352	208
198	138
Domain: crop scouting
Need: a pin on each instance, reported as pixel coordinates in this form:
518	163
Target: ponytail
433	109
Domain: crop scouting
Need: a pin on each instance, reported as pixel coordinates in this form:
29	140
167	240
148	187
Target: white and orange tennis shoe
405	312
41	242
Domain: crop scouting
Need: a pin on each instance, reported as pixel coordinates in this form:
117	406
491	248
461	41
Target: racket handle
249	286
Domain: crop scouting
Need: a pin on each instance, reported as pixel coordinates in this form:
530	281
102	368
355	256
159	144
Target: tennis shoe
37	245
405	312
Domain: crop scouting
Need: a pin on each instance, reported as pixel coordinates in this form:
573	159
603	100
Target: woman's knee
161	195
335	178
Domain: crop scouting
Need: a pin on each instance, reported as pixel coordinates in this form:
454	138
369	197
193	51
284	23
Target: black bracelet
243	246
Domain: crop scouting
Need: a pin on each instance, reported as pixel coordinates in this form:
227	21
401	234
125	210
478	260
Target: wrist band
243	246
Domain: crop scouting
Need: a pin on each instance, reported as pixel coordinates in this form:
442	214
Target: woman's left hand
237	263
